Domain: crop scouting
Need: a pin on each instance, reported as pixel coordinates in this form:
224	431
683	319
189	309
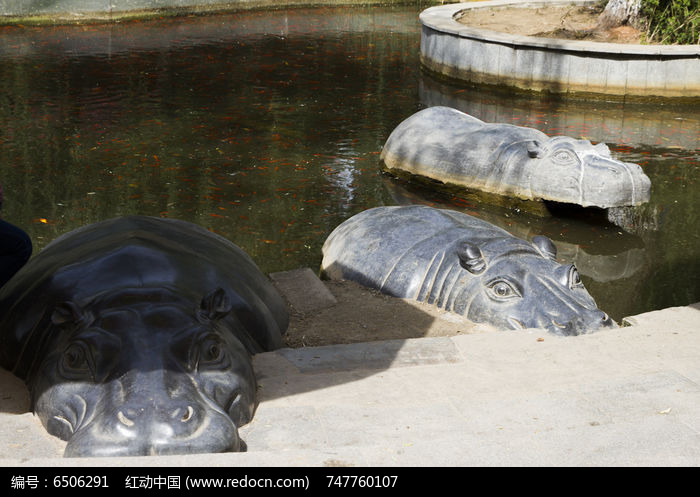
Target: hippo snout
604	175
154	421
584	321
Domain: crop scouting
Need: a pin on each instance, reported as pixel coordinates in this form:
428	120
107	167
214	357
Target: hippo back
402	251
454	148
146	257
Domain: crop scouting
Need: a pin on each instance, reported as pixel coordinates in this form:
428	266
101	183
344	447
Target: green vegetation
672	21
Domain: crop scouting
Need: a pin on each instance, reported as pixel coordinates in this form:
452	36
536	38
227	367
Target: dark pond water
266	127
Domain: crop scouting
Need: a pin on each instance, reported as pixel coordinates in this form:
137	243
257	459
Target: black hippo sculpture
464	265
134	336
454	148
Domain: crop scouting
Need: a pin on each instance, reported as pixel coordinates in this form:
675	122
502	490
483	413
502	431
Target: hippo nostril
124	420
559	325
188	414
185	416
516	324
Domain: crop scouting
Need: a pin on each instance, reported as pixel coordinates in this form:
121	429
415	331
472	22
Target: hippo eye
563	156
212	353
76	362
503	290
574	278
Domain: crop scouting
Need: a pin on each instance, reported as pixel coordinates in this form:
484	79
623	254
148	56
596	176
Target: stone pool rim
67	12
448	48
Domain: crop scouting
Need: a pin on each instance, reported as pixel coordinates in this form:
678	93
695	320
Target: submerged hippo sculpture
449	146
134	336
464	265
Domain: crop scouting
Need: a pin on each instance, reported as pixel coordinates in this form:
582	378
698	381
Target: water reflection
628	125
266	127
659	269
598	248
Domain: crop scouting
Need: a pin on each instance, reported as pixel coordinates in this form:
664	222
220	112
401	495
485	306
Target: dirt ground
364	315
570	22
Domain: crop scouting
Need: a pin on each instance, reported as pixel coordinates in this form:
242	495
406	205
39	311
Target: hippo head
142	374
576	171
516	285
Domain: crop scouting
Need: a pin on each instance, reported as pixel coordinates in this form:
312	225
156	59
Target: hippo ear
534	149
470	258
545	246
68	312
602	149
216	305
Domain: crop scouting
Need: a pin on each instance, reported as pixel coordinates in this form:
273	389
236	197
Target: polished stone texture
464	265
456	149
135	337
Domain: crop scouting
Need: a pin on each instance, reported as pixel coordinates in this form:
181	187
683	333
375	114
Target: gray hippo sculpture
449	146
134	336
464	265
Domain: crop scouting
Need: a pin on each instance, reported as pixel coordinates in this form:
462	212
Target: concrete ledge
302	290
623	397
459	52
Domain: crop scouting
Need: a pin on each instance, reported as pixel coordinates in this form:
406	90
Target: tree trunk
619	12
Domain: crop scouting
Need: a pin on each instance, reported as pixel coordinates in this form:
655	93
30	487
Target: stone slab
624	397
303	290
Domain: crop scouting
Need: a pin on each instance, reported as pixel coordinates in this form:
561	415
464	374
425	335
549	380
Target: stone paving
628	396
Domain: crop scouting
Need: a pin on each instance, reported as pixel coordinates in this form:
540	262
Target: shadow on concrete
354	361
15	396
283	373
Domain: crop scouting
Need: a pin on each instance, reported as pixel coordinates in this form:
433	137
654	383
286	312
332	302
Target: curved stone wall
61	11
460	52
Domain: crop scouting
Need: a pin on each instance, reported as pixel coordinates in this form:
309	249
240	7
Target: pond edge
80	11
462	53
